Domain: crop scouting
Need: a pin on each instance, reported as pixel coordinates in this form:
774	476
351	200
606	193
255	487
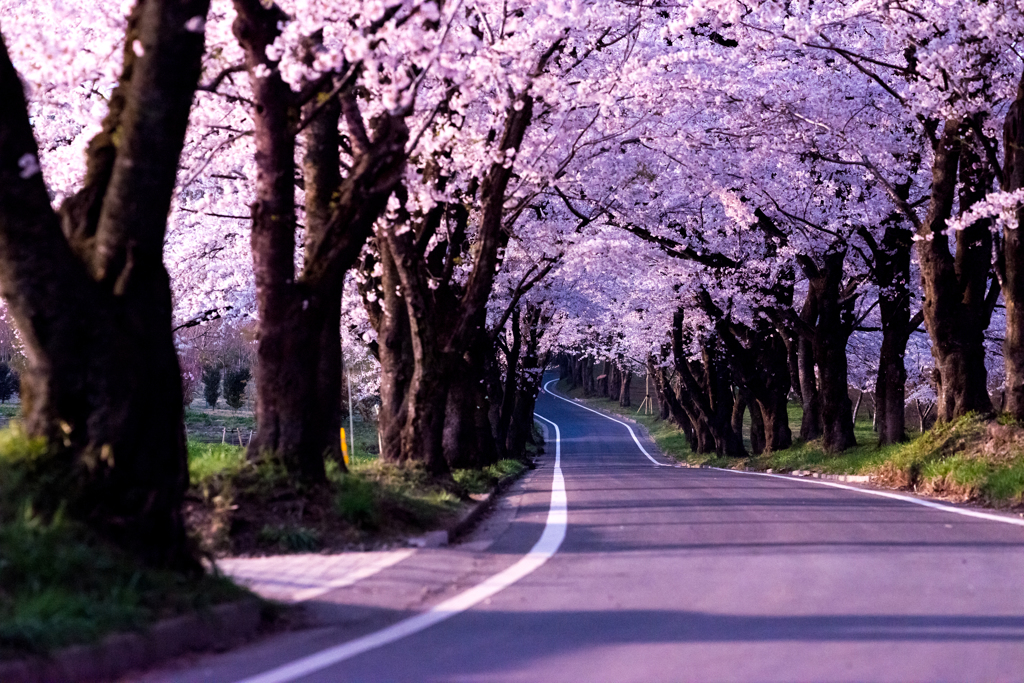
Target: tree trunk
707	394
758	429
614	382
624	386
512	378
105	388
528	383
1013	249
831	335
739	406
396	359
297	408
810	423
469	439
954	288
892	270
444	316
759	361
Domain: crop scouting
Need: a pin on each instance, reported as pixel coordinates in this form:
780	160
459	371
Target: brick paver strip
295	578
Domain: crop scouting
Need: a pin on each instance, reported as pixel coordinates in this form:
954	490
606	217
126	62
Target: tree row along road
676	574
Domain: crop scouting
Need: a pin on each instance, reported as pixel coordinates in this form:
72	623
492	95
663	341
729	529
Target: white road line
887	494
595	412
541	552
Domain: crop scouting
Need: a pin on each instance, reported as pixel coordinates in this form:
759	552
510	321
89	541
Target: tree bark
954	288
298	375
759	360
105	388
810	423
614	382
444	317
708	394
1013	250
528	382
831	335
892	273
624	386
512	373
588	377
759	431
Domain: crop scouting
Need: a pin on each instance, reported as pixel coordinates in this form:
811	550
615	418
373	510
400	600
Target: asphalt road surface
672	574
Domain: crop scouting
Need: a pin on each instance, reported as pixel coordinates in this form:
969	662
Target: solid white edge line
550	540
595	412
871	492
887	494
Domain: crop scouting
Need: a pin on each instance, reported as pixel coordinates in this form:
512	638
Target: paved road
669	574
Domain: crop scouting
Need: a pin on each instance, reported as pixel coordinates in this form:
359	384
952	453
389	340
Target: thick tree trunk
469	438
1013	250
105	388
892	270
444	317
954	288
707	394
396	360
759	360
614	382
298	375
831	335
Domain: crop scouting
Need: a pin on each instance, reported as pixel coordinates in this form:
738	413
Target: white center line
550	540
595	412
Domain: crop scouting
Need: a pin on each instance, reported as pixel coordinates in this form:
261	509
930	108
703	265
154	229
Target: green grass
60	584
953	459
373	500
203	418
483	480
208	462
379	496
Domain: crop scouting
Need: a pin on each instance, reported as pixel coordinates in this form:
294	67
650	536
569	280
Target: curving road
671	574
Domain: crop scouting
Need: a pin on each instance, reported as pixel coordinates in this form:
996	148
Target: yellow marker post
344	447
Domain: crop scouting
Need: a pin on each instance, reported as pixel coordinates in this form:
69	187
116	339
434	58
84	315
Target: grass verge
967	460
240	507
59	583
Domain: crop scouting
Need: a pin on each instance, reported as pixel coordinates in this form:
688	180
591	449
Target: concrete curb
467	520
849	478
218	628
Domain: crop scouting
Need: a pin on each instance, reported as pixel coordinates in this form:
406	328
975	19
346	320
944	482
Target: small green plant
235	382
292	539
209	463
482	480
211	384
356	502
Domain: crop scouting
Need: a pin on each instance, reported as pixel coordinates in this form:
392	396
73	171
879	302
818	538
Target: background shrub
234	386
211	384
